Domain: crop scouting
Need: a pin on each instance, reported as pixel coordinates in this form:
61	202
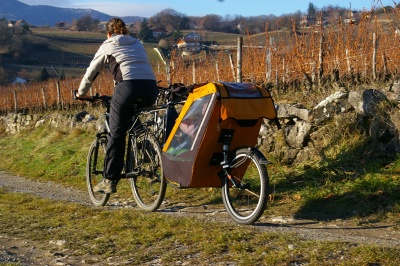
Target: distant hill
42	15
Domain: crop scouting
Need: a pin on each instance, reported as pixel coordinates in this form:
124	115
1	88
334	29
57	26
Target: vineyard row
363	53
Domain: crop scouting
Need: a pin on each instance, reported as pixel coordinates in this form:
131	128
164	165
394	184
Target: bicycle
143	164
242	174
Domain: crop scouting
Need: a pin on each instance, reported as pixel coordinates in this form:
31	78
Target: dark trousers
125	94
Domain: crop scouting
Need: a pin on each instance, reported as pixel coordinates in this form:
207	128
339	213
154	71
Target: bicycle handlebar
95	98
174	94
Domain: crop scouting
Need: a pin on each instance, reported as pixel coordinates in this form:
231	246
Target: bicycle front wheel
246	202
94	170
149	184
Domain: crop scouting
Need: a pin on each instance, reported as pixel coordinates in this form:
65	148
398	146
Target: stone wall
304	133
14	123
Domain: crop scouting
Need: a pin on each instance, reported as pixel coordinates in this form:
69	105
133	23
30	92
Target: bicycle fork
99	143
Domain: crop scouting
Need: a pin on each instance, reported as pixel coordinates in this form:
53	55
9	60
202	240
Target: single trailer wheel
246	202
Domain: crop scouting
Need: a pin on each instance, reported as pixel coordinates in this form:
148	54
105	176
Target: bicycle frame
139	127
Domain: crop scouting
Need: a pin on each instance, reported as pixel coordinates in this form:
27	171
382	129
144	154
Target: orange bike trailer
192	152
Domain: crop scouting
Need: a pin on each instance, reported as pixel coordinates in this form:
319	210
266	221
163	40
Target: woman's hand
79	96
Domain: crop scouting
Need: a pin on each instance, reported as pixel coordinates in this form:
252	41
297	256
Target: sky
245	8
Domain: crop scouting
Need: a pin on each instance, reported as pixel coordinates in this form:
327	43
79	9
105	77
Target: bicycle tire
149	184
94	170
246	205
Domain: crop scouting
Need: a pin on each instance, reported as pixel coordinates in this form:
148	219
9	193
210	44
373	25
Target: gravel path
27	252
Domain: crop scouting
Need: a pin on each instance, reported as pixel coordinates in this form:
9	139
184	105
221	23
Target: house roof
183	41
192	35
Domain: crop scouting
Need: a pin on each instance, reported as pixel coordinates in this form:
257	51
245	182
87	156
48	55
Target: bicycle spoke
149	186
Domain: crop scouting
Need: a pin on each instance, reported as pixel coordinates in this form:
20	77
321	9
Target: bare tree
211	22
170	20
87	23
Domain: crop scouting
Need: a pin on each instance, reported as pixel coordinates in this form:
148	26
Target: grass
350	181
51	158
143	237
347	184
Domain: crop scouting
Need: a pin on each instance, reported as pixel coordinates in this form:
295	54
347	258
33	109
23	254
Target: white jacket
126	58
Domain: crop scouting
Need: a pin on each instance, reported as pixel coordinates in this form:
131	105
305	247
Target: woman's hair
116	25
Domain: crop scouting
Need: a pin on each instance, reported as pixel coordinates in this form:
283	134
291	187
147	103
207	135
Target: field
68	50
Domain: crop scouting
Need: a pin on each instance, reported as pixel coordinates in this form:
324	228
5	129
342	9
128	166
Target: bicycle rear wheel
246	203
94	170
149	184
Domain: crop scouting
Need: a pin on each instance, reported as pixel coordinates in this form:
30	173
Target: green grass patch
47	154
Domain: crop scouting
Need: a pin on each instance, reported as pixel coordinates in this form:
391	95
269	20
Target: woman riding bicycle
134	82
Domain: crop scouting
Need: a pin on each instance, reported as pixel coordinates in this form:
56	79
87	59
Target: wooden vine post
374	45
194	72
217	70
44	99
239	59
385	67
15	102
321	59
232	67
58	95
168	70
283	71
348	61
268	65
